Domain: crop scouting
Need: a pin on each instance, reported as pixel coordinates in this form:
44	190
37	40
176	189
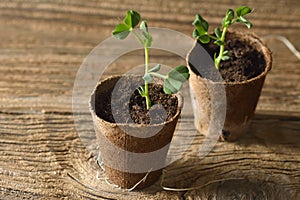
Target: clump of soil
164	106
245	62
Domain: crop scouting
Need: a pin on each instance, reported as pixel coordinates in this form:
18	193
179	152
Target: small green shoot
173	81
201	30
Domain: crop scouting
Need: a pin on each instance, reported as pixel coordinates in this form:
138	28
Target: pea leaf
218	32
242	10
204	39
180	73
121	31
141	90
147	77
230	14
201	25
144	28
155	69
195	34
168	88
243	20
225	58
171	86
132	18
145	33
175	79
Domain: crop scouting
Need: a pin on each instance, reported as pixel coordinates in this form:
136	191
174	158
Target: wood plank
50	157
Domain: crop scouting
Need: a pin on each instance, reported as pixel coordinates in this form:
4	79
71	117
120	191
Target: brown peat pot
241	96
127	157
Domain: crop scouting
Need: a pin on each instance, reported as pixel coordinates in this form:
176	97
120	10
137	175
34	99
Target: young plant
201	30
173	80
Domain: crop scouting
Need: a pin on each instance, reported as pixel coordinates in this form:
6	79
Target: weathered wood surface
42	46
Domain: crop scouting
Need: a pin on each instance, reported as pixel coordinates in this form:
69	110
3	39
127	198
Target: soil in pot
245	62
137	105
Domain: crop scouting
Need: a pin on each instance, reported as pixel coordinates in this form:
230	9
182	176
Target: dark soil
164	106
245	61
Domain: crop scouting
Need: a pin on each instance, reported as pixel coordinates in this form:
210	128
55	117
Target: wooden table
43	44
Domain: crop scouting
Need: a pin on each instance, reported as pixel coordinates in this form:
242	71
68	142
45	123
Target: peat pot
241	96
132	155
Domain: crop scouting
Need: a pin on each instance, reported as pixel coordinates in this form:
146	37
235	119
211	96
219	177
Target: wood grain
43	44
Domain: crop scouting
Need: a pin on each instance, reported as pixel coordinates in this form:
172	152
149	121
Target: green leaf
168	88
145	33
171	86
141	90
204	39
195	34
218	32
132	18
180	73
155	69
121	31
229	14
201	25
244	21
175	79
225	57
147	77
144	29
144	26
243	10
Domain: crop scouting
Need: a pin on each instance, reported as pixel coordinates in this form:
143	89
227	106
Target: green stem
212	37
148	102
222	48
158	75
137	37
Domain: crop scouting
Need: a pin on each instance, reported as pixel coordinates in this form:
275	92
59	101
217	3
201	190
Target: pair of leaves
175	79
130	21
241	11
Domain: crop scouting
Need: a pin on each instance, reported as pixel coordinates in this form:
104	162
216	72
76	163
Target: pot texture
241	97
127	157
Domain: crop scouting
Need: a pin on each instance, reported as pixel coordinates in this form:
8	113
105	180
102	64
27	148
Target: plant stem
137	37
222	48
148	102
158	75
212	37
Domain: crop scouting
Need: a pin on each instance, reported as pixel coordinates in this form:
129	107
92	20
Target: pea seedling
173	81
201	30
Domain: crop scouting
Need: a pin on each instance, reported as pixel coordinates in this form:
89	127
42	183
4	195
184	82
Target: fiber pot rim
92	109
250	37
